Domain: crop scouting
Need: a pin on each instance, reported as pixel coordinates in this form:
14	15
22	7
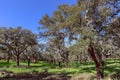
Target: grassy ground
74	68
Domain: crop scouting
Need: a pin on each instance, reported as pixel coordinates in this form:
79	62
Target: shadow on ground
4	64
116	76
34	76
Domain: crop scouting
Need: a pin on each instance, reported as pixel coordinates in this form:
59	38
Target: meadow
74	70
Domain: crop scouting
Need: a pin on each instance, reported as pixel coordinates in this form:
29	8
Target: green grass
74	68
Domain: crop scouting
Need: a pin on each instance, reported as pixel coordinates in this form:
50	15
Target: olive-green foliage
14	41
93	20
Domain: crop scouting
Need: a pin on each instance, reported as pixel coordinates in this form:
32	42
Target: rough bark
98	69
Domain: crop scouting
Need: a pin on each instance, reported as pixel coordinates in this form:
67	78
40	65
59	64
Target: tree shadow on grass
37	76
87	70
4	64
77	64
44	64
116	75
111	69
112	62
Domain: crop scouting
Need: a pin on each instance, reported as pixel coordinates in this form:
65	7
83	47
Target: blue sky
27	13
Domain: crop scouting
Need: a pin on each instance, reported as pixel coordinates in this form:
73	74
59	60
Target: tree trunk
66	64
28	62
66	59
8	56
8	59
101	59
17	60
98	69
59	63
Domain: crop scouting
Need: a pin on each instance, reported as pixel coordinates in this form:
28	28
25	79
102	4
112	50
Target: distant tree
57	51
78	49
16	40
55	33
3	48
32	53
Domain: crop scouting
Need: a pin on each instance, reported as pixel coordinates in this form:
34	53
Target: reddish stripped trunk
101	59
92	54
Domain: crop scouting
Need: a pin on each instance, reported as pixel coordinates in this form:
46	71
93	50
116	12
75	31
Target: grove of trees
86	31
